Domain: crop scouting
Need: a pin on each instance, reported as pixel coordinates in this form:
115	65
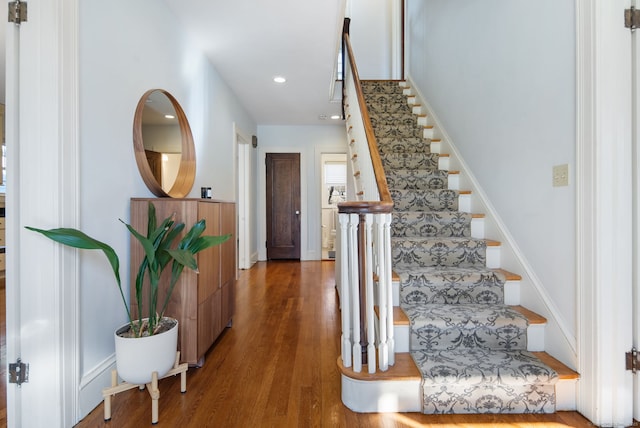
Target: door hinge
632	18
632	361
18	372
17	12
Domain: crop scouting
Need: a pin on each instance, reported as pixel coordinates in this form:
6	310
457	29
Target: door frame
242	143
294	251
43	127
262	200
603	211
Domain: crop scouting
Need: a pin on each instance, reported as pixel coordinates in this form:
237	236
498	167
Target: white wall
371	37
500	75
122	55
311	142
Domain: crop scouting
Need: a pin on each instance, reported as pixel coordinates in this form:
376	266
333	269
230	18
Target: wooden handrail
385	204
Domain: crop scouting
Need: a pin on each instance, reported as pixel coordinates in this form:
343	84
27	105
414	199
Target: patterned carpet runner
470	347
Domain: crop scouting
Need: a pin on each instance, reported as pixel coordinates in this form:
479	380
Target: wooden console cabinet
202	302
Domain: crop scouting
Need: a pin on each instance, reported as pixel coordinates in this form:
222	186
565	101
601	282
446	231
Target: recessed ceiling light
336	117
169	116
279	79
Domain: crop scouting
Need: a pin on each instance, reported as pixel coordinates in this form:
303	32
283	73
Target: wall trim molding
603	211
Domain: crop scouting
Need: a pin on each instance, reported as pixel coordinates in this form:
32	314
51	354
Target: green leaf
204	242
184	257
77	239
147	244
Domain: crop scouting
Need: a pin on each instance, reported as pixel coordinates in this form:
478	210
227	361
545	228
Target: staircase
464	344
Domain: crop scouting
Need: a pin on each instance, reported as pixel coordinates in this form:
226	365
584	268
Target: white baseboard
92	383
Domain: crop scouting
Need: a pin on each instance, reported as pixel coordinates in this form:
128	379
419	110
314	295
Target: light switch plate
561	175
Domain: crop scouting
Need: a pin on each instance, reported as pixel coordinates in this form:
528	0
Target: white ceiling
251	41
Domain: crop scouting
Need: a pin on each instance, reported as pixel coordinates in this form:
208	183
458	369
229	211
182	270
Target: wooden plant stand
152	387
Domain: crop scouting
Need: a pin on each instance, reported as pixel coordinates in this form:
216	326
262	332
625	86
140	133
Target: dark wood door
283	206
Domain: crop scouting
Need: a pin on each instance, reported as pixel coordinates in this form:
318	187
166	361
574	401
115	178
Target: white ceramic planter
138	358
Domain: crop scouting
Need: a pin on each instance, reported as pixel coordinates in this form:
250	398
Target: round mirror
163	145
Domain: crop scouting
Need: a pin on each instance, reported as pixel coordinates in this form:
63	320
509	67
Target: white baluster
355	292
370	313
383	347
345	292
388	281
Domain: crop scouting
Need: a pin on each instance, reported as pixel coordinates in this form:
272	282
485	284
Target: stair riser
535	337
369	397
414	180
426	224
511	293
416	161
438	252
425	200
381	396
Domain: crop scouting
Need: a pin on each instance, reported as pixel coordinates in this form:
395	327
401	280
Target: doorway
283	205
333	191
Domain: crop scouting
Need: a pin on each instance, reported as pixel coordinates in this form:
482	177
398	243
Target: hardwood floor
276	367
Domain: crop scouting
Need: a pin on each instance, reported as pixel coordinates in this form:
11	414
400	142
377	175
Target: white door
41	139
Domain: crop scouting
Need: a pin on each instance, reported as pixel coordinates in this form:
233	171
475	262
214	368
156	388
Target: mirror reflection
161	139
163	145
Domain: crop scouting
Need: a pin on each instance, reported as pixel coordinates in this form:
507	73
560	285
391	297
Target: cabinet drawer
2	222
2	261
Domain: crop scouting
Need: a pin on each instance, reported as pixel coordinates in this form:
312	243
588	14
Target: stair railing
363	244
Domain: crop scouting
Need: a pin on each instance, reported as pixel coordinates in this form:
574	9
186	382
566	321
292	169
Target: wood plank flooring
276	367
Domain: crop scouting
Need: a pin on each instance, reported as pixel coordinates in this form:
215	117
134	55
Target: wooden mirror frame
187	170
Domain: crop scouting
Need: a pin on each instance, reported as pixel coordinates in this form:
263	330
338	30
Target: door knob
297	212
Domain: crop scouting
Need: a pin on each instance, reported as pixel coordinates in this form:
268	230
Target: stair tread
403	369
401	318
564	371
510	276
531	316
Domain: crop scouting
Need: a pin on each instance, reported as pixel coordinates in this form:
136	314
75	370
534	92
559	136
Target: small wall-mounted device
254	141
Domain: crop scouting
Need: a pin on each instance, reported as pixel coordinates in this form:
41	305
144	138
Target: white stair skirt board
380	396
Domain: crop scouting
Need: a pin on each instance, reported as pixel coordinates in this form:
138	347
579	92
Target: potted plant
142	331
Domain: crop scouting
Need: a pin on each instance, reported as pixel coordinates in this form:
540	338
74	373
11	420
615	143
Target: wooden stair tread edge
403	369
564	372
531	316
399	316
477	215
510	276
